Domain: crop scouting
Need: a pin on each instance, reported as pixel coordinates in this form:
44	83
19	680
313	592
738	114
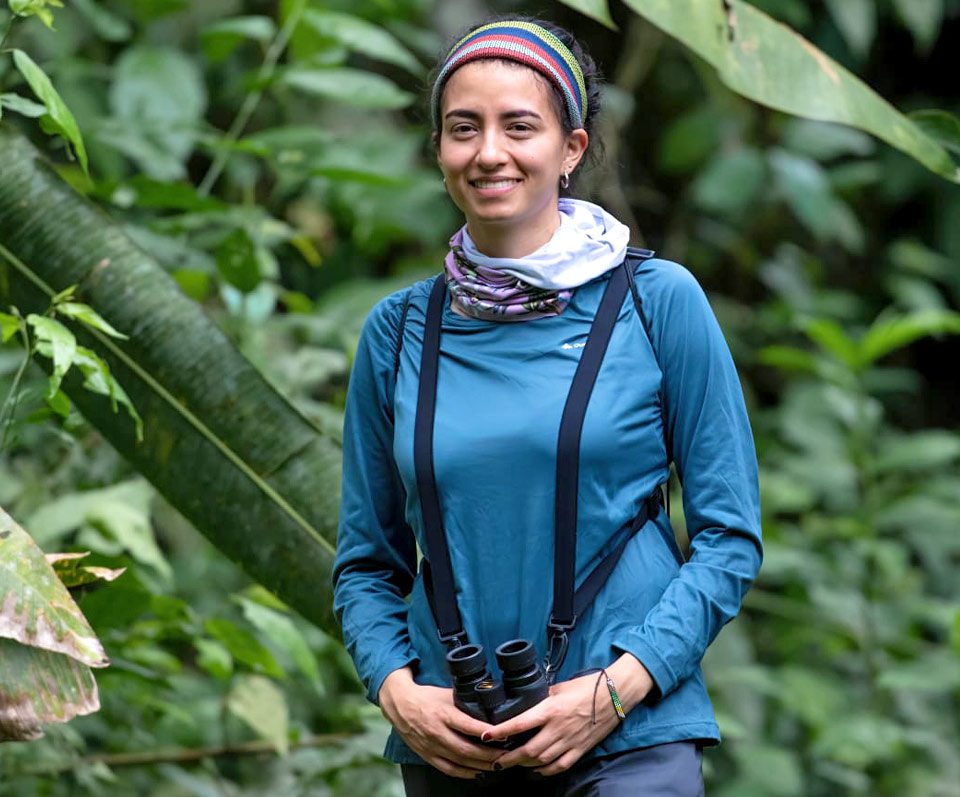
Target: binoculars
475	692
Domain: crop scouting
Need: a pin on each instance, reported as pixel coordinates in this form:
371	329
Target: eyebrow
467	114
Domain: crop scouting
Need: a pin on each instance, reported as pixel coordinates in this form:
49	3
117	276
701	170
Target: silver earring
565	180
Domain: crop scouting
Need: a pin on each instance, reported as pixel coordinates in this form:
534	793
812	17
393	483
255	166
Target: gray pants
664	770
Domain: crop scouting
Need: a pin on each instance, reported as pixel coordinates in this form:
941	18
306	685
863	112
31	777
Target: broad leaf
88	316
9	325
46	645
36	609
22	105
109	26
595	9
72	573
857	21
237	261
262	706
941	126
60	118
158	98
364	37
281	631
40	688
57	342
890	333
121	512
349	86
36	8
923	18
222	38
244	647
773	65
98	379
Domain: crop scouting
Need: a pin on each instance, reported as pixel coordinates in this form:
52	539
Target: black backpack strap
563	617
592	584
635	256
438	572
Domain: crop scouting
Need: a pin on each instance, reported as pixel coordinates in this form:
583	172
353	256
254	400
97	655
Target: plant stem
250	102
187	755
13	397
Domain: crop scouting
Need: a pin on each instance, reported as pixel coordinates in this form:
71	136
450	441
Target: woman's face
502	151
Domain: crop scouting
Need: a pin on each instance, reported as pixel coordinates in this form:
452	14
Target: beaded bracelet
614	697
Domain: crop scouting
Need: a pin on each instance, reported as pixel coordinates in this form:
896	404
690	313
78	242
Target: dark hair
591	77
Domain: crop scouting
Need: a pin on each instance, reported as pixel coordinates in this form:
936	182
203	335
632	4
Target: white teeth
493	183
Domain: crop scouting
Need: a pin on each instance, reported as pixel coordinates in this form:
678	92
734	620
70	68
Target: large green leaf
595	9
158	98
773	65
260	704
349	86
58	118
222	445
364	37
46	645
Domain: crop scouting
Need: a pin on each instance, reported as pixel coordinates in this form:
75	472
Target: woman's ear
575	148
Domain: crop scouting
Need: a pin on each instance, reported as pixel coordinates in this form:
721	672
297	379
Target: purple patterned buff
493	295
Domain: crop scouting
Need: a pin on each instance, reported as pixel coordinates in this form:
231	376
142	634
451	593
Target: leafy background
274	157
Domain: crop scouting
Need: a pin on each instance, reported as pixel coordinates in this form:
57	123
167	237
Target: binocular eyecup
477	693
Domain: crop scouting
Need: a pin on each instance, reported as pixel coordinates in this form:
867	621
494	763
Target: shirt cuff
664	679
376	681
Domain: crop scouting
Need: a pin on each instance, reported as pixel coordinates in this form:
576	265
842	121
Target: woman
513	315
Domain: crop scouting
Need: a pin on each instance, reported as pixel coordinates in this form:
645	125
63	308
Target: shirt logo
573	345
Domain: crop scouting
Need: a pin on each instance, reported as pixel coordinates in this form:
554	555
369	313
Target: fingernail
485	736
497	765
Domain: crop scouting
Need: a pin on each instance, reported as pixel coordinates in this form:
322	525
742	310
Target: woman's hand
565	718
433	727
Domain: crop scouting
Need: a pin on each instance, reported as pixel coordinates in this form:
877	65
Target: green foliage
288	200
51	339
773	65
35	8
58	118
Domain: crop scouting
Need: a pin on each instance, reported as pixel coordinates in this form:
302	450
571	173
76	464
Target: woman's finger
527	754
561	764
453	768
467	752
548	755
532	718
466	724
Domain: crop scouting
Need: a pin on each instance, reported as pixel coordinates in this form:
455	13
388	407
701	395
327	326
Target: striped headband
528	44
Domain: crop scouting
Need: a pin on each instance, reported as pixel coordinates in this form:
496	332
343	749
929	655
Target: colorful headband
528	44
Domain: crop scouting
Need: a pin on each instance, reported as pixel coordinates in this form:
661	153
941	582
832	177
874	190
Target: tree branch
186	755
250	102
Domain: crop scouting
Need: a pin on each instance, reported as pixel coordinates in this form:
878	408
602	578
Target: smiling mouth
502	183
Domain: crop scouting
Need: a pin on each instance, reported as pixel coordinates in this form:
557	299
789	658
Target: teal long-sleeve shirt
501	392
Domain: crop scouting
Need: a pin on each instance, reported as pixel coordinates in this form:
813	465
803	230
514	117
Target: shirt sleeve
376	559
712	444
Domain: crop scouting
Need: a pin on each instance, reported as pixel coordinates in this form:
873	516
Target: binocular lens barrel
466	661
516	656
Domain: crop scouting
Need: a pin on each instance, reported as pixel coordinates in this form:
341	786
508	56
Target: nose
491	154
